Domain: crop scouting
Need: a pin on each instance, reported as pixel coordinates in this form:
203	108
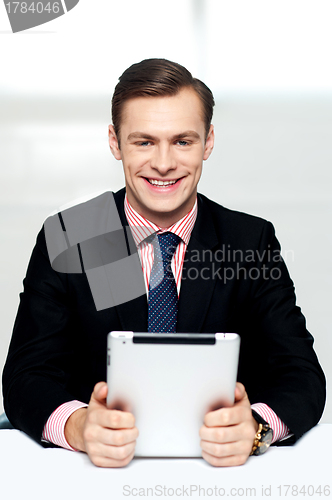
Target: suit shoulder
89	200
233	217
83	219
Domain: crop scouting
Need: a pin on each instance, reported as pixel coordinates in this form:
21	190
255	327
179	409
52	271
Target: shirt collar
141	227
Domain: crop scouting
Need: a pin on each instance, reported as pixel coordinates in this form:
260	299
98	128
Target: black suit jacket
233	281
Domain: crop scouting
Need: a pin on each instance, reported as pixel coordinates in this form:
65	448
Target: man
228	276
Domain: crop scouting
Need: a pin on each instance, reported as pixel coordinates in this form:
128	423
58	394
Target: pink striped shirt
141	228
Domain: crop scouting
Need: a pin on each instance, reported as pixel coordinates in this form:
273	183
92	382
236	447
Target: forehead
182	110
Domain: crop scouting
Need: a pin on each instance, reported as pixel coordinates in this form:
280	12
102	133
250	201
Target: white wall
268	65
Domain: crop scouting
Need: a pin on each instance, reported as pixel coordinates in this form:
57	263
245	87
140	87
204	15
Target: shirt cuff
54	430
280	430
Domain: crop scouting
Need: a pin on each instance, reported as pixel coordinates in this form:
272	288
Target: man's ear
209	143
113	142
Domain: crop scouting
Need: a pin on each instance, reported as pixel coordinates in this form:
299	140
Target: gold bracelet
257	439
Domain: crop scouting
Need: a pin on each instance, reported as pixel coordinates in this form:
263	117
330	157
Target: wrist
263	437
74	429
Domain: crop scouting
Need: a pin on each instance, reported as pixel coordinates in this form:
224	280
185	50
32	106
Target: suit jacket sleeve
36	375
284	369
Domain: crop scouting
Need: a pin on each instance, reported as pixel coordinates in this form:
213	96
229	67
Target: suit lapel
197	284
133	315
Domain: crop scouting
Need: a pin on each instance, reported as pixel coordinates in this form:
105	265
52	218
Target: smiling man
226	275
163	144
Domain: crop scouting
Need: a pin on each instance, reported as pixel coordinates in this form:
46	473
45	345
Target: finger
227	416
226	449
109	419
119	452
231	461
94	433
117	437
109	451
101	461
116	419
227	434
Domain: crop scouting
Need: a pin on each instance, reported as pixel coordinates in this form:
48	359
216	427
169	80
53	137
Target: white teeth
161	183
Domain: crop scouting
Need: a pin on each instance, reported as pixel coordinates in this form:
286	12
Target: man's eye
144	143
183	143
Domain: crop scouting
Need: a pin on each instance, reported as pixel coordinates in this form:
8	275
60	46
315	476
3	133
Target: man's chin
161	206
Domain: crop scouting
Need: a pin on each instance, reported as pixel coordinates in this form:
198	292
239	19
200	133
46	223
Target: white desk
28	471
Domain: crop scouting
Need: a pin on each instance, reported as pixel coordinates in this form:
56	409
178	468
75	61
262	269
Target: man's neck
142	227
163	220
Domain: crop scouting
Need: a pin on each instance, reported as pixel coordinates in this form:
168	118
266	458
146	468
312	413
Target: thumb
99	393
240	392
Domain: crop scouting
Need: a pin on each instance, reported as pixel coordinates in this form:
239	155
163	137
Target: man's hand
107	436
228	434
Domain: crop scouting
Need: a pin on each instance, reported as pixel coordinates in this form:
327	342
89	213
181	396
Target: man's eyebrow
144	135
140	135
187	133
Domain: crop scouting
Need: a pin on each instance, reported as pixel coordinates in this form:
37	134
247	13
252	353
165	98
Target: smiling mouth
156	182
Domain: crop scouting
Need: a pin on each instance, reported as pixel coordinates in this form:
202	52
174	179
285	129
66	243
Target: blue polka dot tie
163	297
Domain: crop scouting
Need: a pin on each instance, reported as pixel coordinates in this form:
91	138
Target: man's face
162	149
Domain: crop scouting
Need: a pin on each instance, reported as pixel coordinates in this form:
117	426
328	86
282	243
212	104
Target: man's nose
162	159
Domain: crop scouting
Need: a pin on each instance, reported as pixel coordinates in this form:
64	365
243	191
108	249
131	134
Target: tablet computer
169	381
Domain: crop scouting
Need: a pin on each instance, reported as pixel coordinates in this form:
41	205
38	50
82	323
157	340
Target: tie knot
168	243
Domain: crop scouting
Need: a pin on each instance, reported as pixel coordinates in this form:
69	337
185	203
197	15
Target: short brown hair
158	77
